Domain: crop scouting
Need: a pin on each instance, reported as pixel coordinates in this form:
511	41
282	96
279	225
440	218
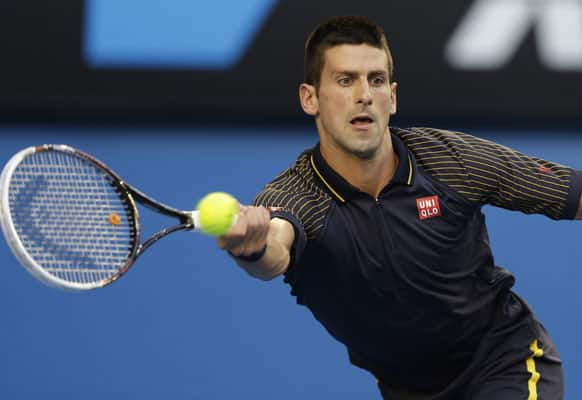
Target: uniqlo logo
428	207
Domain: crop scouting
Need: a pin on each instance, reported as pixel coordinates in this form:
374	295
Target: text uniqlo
428	207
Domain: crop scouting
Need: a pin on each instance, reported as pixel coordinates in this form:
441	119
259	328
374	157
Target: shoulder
424	139
297	181
439	152
450	157
296	193
439	149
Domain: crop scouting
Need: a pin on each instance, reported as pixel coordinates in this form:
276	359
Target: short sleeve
294	197
486	172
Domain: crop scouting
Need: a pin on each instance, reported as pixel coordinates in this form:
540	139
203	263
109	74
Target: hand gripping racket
71	221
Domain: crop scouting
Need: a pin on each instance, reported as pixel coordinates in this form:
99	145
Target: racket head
68	219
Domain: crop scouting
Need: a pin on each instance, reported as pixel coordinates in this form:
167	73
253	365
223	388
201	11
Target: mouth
362	121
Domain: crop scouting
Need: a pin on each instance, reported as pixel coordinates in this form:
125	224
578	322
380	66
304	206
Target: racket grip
194	217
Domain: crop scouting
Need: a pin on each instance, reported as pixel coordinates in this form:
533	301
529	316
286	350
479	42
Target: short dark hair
338	31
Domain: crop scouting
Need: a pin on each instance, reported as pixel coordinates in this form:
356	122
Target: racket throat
161	234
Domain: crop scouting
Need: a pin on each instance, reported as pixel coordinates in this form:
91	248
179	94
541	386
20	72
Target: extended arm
485	172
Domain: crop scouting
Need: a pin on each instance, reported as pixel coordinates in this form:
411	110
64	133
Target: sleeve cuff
573	200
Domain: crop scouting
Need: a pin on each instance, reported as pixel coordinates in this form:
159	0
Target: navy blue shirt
407	280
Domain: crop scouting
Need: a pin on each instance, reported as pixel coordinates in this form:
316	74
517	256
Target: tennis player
379	232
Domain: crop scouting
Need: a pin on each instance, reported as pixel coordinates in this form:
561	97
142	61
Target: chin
367	154
367	150
364	152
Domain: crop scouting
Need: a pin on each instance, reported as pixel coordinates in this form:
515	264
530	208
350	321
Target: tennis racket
71	221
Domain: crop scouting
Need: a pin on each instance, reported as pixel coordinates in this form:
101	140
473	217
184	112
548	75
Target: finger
257	228
250	235
236	235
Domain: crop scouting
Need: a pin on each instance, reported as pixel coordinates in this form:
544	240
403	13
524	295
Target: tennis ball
217	213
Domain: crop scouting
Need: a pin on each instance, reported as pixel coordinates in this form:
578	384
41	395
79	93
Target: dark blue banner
480	60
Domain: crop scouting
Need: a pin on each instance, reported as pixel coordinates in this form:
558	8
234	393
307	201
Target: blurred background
183	97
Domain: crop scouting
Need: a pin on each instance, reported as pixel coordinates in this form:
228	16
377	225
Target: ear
308	99
393	98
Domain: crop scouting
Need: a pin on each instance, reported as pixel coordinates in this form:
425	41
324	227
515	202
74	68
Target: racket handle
194	216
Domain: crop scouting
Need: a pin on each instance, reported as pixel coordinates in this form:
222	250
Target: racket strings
70	217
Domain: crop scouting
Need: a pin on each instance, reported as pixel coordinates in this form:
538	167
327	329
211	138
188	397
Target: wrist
256	256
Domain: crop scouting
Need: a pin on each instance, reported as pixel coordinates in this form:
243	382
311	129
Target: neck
368	175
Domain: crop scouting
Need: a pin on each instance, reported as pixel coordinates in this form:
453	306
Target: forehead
354	58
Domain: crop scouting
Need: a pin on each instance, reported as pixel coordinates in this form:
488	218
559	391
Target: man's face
354	101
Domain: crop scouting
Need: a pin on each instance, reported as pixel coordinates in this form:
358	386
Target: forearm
272	264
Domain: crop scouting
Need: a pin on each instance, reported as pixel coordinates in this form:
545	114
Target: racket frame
188	220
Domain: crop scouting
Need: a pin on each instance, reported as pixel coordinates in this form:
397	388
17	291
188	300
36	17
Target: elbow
264	274
265	277
272	264
268	272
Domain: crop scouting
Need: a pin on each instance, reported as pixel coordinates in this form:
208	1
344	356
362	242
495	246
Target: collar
342	190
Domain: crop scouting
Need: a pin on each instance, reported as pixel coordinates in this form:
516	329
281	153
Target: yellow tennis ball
217	213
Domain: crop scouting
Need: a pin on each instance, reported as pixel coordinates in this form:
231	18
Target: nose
364	95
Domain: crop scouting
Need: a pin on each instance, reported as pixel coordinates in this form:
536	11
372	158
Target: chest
408	233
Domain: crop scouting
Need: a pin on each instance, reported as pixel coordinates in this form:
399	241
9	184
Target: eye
378	80
345	81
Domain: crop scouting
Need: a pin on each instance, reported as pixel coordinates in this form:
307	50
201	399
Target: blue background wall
186	323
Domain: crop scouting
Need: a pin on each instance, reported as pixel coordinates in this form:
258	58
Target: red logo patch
428	207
